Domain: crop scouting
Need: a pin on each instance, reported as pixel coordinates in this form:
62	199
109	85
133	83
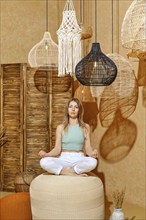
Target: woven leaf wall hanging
69	41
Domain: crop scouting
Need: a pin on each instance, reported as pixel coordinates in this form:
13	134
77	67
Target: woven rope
133	31
44	54
69	41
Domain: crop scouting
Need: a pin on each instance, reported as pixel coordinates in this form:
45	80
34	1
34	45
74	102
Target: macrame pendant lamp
69	41
44	54
96	69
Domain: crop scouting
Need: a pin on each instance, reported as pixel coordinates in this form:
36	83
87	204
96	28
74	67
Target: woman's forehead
73	103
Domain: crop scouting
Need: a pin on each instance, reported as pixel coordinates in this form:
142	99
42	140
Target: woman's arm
88	149
57	149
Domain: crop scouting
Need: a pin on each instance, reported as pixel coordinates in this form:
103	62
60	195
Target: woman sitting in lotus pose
72	154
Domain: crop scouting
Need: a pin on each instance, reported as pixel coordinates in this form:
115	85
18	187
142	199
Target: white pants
76	160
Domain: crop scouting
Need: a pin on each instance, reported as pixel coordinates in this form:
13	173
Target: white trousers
76	160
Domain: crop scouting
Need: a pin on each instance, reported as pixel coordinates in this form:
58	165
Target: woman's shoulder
87	126
60	127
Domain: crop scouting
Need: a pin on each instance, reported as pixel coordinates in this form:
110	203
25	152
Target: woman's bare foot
70	172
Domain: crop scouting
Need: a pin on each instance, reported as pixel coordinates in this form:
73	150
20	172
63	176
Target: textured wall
23	25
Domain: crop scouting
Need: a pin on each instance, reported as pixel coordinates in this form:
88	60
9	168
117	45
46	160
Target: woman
68	157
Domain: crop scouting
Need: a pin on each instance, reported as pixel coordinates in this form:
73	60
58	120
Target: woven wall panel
26	108
10	160
37	136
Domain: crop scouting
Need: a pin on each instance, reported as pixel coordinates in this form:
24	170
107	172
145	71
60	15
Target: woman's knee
44	162
92	162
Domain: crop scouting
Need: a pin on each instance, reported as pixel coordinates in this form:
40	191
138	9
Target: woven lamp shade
86	31
96	69
119	139
109	105
83	93
133	31
44	54
125	82
142	65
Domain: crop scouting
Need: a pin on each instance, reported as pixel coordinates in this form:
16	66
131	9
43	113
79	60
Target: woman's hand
94	153
42	153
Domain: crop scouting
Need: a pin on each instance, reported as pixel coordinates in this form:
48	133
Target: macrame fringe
69	54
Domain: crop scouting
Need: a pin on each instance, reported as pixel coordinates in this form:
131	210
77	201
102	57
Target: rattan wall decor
28	117
69	41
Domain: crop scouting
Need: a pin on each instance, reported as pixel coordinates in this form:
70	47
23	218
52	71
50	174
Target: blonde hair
80	114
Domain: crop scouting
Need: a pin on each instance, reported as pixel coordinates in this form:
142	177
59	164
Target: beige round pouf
67	197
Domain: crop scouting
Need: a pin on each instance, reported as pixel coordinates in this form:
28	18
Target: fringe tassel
69	54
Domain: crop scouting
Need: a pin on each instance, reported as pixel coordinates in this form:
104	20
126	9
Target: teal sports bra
73	138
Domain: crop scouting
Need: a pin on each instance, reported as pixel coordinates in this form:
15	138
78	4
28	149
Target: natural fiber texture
60	84
133	32
109	106
118	140
27	117
86	31
96	69
142	66
125	82
69	41
10	97
67	197
97	91
44	54
3	137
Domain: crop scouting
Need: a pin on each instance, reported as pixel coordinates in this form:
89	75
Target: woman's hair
80	114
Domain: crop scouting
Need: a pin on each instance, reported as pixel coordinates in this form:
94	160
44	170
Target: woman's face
73	109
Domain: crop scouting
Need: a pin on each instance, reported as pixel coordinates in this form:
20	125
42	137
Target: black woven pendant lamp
96	69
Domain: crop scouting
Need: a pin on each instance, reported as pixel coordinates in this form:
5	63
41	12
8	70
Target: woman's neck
73	121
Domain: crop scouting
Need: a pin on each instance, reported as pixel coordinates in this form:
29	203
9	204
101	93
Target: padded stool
58	197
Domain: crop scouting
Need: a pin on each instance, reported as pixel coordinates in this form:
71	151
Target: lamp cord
81	11
112	26
46	15
95	20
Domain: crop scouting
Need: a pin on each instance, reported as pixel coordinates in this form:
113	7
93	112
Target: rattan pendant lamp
44	54
133	36
96	69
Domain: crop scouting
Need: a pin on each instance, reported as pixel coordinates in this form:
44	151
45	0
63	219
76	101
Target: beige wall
23	25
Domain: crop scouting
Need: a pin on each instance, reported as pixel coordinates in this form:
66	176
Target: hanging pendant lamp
133	31
45	53
69	41
96	69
